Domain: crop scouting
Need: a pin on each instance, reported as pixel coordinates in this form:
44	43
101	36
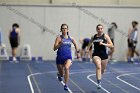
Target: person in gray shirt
111	33
132	40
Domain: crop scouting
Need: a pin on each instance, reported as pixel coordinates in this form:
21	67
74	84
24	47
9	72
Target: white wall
79	2
82	23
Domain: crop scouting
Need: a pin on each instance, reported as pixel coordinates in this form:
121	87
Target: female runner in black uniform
100	57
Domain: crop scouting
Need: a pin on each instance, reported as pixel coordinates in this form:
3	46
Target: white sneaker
15	60
132	59
99	86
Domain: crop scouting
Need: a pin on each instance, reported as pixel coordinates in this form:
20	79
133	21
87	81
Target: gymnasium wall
40	24
79	2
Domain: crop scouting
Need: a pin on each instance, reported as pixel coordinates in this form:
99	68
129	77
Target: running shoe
59	77
66	87
99	86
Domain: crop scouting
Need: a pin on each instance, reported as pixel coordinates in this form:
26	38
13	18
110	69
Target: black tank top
96	40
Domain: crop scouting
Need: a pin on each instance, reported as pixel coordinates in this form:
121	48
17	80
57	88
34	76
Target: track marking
88	77
29	80
118	77
30	83
73	81
31	75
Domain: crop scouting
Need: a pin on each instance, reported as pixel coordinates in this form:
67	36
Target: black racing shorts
14	42
85	44
102	55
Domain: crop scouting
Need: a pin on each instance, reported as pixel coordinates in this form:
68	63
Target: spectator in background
84	52
111	33
14	38
132	41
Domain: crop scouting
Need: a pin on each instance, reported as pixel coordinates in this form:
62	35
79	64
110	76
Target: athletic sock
98	81
99	84
59	77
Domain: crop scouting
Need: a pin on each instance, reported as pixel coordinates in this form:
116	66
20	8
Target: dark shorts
131	44
14	42
85	44
60	60
103	56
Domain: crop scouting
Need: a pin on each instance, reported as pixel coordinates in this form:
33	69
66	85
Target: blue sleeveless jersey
13	34
65	49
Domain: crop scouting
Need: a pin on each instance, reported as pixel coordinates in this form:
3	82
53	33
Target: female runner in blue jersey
64	57
100	57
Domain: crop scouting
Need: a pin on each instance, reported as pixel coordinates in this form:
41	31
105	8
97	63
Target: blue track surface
40	77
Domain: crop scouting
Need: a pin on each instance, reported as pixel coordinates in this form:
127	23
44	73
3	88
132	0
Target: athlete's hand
101	43
78	55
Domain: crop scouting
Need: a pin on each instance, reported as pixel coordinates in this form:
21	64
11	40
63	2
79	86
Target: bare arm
129	31
57	43
76	47
81	40
74	42
9	34
90	43
109	42
18	31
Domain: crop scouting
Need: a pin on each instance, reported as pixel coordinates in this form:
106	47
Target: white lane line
118	77
33	78
74	82
31	85
88	77
30	82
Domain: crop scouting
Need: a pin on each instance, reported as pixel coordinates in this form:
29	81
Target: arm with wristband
76	48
